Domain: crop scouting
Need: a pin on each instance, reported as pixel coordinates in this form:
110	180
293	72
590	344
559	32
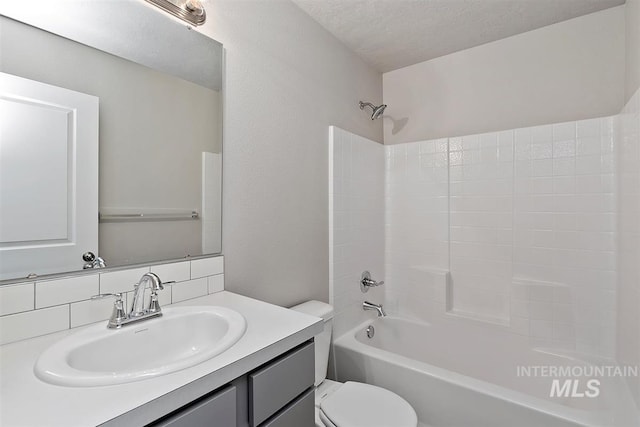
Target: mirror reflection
105	155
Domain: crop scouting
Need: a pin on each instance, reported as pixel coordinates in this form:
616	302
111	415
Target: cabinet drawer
217	410
299	413
279	382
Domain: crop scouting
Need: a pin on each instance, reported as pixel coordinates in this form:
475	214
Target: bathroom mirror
154	193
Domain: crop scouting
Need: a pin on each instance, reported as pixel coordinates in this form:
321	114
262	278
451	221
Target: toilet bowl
350	404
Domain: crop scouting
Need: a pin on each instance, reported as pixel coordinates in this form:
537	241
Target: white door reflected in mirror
48	177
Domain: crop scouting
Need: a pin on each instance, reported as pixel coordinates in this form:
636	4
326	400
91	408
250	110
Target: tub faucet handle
367	282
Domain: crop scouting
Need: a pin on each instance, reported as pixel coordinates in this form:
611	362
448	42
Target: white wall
632	26
567	71
287	80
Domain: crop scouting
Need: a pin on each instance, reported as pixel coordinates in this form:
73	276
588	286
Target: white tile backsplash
63	303
165	296
215	283
189	289
15	327
64	291
207	267
16	298
175	272
85	312
121	281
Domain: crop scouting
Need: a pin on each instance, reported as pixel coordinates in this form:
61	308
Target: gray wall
287	80
632	26
563	72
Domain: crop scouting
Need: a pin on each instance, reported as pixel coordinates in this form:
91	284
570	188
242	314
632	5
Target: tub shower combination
457	373
465	352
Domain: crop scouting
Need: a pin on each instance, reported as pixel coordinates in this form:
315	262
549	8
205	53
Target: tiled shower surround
628	309
516	229
524	222
356	221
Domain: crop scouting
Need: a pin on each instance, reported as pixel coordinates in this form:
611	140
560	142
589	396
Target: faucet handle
154	304
118	296
118	314
367	282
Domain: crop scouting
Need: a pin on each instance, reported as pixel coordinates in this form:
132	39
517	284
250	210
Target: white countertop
25	400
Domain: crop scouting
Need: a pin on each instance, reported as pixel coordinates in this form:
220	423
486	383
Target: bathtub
459	373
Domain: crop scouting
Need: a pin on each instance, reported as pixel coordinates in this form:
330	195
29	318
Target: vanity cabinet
215	409
275	384
279	393
300	412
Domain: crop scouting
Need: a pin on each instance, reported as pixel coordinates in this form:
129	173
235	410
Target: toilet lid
364	405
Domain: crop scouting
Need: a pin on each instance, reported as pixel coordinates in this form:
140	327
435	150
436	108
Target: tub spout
371	306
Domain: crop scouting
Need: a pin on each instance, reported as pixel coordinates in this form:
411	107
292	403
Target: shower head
377	111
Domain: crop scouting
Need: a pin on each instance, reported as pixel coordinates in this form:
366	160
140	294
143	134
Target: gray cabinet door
275	385
217	410
299	413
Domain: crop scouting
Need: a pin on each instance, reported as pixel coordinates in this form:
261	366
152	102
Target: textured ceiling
391	34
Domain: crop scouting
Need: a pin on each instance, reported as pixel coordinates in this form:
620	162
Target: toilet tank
323	339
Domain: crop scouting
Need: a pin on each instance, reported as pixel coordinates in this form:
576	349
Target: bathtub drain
371	331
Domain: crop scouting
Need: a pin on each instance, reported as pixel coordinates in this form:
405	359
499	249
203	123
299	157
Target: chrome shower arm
376	111
367	104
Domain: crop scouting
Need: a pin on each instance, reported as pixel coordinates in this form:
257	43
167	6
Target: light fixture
191	11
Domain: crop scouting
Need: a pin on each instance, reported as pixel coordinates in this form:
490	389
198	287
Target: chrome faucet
120	318
137	306
371	306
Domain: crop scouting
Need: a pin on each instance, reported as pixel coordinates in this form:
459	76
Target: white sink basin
181	338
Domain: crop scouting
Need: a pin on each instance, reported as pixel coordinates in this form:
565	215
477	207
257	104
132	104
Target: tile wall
515	228
416	226
481	224
628	313
564	259
41	307
356	224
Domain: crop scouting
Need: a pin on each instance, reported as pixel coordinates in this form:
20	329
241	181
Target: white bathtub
462	374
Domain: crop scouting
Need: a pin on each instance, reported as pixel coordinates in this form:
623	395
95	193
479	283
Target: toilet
352	404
